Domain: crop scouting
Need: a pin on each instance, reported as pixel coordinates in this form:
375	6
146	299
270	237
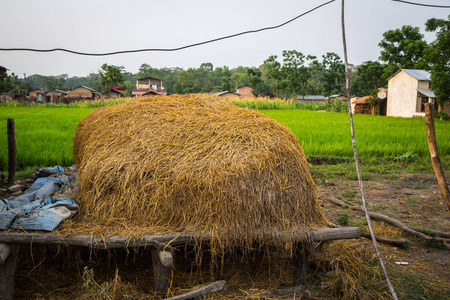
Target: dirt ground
414	199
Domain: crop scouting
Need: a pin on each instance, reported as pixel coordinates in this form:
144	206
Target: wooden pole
11	151
435	160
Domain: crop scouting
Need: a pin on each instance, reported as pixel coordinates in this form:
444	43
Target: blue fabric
36	210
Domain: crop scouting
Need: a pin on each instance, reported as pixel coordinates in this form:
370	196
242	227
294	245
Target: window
423	101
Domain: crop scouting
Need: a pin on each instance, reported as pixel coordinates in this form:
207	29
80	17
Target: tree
273	70
370	77
402	49
111	75
438	57
294	70
333	76
254	79
9	82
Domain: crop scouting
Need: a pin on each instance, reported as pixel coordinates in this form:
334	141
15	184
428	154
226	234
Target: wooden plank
11	151
7	271
158	241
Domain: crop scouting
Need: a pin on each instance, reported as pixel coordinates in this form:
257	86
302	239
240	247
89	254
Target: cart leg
8	257
162	262
300	263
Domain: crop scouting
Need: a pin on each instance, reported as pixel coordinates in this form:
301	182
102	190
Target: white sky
114	25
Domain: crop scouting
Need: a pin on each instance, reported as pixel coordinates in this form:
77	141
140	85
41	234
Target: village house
37	95
148	86
370	105
228	95
245	91
55	96
409	90
81	92
115	91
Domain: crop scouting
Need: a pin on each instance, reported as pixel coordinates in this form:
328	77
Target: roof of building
117	87
361	100
145	92
113	90
149	78
227	92
417	74
428	93
85	87
241	86
56	91
311	97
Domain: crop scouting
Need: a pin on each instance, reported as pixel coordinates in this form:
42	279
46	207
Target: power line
169	49
422	4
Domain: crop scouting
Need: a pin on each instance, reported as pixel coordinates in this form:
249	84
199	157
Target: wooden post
162	261
300	263
11	151
435	160
7	270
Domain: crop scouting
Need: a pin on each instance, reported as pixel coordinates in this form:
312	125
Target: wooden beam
212	287
157	241
7	270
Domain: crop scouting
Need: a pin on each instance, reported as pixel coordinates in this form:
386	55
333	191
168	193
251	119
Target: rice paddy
44	134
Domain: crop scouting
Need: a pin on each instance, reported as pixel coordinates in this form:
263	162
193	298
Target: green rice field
44	134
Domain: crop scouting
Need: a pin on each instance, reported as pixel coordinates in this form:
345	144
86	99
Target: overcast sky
113	25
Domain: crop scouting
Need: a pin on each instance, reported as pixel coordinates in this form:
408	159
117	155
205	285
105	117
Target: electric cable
169	49
422	4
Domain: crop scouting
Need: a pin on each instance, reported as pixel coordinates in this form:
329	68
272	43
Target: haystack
197	164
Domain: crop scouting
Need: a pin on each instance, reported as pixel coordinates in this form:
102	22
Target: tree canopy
402	48
438	57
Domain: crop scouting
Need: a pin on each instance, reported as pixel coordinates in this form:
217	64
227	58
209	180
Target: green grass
44	135
327	133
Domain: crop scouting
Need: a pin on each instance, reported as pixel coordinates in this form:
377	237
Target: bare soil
414	199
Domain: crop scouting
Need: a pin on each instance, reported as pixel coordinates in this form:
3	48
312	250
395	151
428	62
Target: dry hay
193	163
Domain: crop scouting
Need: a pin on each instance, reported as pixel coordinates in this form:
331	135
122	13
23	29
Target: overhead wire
170	49
422	4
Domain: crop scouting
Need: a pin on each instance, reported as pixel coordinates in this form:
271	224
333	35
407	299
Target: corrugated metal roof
226	92
418	74
428	93
311	97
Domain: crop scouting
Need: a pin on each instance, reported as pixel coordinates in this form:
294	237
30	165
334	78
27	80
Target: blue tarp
36	209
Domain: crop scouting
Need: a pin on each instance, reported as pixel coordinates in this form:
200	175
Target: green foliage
402	49
442	116
333	77
438	57
407	157
370	77
111	75
344	217
92	287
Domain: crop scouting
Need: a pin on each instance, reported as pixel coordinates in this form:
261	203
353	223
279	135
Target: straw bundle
194	163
